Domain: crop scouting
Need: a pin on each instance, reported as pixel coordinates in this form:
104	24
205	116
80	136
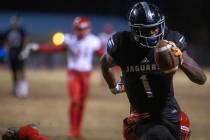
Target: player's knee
127	132
77	103
159	133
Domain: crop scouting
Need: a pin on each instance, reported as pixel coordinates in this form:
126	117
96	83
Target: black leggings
161	130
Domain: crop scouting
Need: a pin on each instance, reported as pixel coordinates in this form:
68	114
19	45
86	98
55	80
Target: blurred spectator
15	39
108	30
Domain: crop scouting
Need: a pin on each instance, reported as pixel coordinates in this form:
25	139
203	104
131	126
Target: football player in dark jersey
149	91
15	40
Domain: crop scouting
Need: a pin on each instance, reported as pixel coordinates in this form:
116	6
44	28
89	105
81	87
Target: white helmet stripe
147	10
112	41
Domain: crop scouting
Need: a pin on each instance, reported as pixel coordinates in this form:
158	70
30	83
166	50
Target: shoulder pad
178	38
111	46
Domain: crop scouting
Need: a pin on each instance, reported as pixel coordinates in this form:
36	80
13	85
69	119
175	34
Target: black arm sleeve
112	47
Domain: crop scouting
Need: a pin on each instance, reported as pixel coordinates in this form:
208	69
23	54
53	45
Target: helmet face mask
147	24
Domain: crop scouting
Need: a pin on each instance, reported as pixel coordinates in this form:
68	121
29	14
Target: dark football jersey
147	88
16	38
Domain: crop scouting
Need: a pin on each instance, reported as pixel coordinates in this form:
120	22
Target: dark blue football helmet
147	24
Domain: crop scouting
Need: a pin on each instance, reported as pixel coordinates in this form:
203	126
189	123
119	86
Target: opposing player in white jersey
80	47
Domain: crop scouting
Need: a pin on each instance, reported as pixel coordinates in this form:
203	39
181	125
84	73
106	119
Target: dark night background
184	15
191	18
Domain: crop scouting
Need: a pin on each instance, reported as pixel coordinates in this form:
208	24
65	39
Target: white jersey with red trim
81	51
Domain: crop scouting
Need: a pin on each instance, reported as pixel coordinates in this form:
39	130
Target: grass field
48	102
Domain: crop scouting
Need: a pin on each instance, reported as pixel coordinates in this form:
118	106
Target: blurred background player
149	91
107	31
15	40
80	47
27	132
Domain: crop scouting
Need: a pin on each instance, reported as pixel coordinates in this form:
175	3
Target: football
166	58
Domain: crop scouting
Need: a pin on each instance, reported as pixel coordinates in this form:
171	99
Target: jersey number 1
146	85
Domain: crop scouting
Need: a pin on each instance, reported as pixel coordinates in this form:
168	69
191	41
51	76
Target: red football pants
78	86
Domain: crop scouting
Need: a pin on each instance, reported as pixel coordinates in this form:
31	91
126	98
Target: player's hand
177	51
33	46
11	134
118	89
26	51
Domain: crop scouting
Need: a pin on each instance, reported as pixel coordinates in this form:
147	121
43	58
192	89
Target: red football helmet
81	23
185	126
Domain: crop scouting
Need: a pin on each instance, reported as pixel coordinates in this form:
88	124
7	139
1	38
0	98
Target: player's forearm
51	49
193	71
108	76
107	73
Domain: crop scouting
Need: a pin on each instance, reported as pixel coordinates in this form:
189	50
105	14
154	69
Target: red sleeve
29	133
100	52
49	49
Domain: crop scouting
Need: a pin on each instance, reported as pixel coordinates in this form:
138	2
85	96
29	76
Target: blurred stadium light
58	38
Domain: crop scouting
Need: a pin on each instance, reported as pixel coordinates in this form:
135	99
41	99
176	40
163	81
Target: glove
119	88
33	46
177	52
26	51
11	134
